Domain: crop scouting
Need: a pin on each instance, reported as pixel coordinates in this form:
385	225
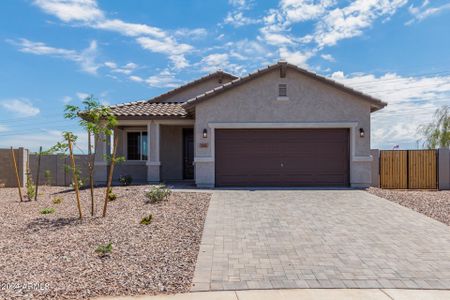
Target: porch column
153	163
102	149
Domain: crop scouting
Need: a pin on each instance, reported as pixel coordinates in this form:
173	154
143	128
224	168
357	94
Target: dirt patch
435	204
53	255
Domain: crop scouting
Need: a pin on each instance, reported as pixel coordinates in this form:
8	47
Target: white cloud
196	33
82	96
87	13
165	79
126	69
128	29
219	61
136	78
67	99
4	128
295	57
85	58
328	57
422	12
236	17
412	101
22	107
176	52
349	21
71	10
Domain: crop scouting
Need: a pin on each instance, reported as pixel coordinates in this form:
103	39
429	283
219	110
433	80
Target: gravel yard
56	252
435	204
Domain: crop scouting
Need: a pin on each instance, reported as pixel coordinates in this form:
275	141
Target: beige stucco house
278	126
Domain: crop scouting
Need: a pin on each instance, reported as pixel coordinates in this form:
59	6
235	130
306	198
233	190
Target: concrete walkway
288	239
304	294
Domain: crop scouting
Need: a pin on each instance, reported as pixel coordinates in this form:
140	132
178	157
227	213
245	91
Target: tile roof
148	109
217	74
190	103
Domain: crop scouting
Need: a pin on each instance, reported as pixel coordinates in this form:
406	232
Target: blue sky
57	52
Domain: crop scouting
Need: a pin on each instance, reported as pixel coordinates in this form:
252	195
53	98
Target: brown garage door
282	157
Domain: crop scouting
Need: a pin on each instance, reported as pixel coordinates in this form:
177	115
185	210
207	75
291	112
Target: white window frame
125	142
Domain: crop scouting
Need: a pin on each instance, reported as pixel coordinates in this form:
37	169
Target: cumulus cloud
20	107
328	57
126	69
87	13
349	21
423	12
86	58
165	79
236	16
167	46
412	101
295	57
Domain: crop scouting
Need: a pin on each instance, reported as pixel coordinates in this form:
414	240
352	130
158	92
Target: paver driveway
319	239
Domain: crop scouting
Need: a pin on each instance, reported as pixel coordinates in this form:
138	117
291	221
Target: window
137	147
282	90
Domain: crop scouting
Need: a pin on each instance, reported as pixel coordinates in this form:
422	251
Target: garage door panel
282	157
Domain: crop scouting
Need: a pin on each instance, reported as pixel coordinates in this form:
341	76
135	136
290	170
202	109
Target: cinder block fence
53	165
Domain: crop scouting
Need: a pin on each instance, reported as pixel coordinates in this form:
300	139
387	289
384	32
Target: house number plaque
203	145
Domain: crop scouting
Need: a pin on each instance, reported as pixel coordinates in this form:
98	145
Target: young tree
113	159
98	121
63	147
437	133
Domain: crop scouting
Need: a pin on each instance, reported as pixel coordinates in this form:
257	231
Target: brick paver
319	239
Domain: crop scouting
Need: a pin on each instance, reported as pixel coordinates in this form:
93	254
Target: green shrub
125	180
47	210
57	200
104	250
146	220
31	192
158	193
111	195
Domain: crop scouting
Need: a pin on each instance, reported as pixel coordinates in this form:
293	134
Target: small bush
104	250
47	210
57	200
125	180
111	195
158	193
31	192
146	220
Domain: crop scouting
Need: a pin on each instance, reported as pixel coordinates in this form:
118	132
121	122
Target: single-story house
279	126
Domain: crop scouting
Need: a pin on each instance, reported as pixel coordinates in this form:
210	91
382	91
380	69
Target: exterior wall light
361	132
205	133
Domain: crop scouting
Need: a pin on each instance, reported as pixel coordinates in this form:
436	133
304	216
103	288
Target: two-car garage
282	157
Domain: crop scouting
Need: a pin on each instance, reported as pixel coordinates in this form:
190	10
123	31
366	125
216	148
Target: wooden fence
409	169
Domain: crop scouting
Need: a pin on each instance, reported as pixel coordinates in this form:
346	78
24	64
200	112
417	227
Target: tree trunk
75	178
17	173
110	175
37	174
91	171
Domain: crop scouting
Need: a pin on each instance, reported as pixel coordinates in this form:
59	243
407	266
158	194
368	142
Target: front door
188	153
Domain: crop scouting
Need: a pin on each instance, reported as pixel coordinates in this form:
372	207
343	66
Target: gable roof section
143	109
217	74
376	104
154	108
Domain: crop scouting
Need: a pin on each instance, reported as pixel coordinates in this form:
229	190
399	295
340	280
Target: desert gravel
53	256
435	204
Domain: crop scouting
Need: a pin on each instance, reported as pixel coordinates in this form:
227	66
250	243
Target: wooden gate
408	169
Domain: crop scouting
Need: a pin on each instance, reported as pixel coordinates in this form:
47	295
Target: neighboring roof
376	103
217	74
148	109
